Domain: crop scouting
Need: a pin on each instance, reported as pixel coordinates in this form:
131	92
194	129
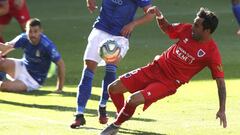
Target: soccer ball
109	50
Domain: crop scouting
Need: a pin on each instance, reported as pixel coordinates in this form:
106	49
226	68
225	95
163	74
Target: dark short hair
34	22
210	19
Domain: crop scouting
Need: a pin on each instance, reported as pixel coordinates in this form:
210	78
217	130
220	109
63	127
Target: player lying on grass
30	72
194	50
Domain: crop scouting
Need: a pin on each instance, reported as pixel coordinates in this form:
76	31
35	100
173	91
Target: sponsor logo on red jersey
183	55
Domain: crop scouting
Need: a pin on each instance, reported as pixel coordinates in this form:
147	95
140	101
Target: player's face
197	29
34	33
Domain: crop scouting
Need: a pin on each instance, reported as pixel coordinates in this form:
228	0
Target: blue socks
84	90
110	76
85	87
236	11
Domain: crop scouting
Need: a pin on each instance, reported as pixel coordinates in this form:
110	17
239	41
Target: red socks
125	114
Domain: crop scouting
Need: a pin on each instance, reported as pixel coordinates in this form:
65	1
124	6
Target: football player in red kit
13	8
194	50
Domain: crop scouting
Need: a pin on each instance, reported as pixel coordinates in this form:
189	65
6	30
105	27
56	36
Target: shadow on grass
137	132
88	112
121	131
63	94
87	128
50	107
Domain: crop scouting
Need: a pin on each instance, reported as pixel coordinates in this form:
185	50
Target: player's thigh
156	91
8	66
13	86
95	39
21	15
135	80
4	20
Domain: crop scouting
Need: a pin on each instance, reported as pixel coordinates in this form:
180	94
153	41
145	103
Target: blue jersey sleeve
19	41
143	3
53	52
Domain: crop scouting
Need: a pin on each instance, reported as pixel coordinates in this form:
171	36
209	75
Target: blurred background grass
68	24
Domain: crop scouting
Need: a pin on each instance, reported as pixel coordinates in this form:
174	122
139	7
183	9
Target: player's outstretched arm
91	5
5	48
61	75
222	101
161	20
127	29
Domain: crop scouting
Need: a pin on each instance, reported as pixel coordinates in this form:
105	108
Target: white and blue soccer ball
110	50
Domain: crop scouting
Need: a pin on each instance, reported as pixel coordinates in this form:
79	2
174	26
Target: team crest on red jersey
200	53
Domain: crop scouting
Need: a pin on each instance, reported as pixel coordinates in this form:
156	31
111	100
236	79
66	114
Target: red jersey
187	57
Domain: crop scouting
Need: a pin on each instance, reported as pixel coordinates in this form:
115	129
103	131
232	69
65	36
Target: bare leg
13	86
116	90
8	66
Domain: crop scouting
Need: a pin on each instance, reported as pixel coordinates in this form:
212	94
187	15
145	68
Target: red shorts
21	15
151	81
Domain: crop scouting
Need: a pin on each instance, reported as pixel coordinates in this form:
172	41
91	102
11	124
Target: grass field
190	112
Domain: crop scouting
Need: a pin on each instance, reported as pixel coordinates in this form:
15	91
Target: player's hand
222	116
91	5
127	29
154	10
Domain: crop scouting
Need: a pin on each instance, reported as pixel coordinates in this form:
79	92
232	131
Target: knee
112	88
91	65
